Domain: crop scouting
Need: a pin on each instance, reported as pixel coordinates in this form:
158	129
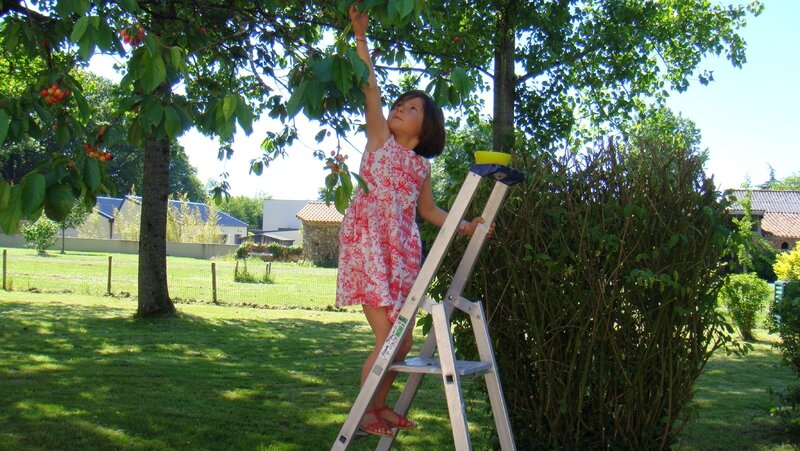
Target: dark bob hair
431	140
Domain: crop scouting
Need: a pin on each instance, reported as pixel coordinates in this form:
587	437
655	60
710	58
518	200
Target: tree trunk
503	125
153	291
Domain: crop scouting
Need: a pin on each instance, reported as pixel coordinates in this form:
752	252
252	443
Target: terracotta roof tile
782	224
320	213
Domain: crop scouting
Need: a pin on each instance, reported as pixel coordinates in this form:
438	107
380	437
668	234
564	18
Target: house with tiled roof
776	214
110	209
321	223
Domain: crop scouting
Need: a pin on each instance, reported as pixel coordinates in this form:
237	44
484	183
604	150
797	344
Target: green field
189	279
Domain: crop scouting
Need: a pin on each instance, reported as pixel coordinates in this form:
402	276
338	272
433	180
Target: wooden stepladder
440	337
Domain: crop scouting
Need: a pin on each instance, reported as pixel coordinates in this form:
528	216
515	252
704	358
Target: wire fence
275	284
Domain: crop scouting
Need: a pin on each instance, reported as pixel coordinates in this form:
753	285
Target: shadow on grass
732	402
73	376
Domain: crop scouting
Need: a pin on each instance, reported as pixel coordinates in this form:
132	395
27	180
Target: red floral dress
379	244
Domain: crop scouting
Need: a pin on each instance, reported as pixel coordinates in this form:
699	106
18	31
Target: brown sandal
402	422
377	427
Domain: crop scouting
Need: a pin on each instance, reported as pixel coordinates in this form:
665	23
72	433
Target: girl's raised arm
377	127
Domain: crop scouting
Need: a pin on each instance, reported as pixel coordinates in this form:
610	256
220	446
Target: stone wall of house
321	243
782	243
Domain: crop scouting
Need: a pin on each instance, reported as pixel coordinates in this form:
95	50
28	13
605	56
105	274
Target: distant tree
791	182
770	183
247	209
41	234
80	211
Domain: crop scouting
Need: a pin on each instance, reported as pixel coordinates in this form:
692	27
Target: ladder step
433	366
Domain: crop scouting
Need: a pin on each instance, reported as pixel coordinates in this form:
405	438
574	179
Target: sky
747	118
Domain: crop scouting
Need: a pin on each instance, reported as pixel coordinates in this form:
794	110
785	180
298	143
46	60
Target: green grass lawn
189	278
79	372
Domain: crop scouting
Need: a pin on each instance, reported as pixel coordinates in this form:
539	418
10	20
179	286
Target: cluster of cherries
94	152
335	162
130	38
54	94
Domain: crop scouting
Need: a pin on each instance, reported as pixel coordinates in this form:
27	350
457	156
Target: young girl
380	249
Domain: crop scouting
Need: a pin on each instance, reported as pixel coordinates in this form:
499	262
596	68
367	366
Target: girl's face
406	117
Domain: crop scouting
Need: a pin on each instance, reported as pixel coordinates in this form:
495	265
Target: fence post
214	281
108	289
5	257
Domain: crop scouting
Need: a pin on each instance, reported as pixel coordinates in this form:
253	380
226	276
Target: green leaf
153	70
128	5
172	122
151	45
361	182
91	173
86	46
342	75
5	194
65	7
347	183
5	121
320	135
33	191
136	134
461	81
12	34
104	36
342	199
257	167
244	114
322	70
331	179
297	99
81	7
79	30
58	202
152	113
360	69
228	106
176	58
11	214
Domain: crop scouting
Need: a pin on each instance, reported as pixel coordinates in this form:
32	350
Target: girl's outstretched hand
359	20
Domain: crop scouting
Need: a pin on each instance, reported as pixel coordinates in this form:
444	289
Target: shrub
787	325
744	296
787	264
602	293
787	322
242	275
279	251
41	234
764	263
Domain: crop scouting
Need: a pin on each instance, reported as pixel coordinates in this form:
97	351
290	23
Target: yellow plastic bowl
487	157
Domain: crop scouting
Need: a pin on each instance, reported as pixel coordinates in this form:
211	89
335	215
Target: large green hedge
601	289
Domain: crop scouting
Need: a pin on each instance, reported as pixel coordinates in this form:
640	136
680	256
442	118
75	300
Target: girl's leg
381	326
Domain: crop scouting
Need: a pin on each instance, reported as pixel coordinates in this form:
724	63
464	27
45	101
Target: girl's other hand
359	20
472	226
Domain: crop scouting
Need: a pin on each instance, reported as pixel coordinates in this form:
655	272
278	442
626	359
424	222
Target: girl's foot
373	424
394	419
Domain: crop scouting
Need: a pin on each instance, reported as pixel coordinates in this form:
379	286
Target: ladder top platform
499	172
